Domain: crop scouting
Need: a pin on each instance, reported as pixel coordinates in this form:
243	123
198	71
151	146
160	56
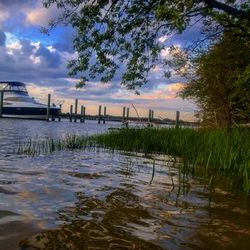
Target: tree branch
227	8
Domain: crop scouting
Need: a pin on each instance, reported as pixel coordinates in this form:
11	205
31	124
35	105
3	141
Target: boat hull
29	112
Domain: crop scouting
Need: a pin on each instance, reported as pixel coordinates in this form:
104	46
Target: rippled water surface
95	199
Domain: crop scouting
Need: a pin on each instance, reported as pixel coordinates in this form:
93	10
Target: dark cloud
51	59
30	63
2	38
27	47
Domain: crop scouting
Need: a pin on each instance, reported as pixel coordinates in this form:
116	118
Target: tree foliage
220	82
111	33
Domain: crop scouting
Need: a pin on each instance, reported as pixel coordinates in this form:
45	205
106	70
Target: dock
102	115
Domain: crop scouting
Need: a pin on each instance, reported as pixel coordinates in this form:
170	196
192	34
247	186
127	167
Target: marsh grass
49	145
203	152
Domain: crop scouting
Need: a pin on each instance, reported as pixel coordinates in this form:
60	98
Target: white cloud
163	38
165	53
12	43
36	45
51	48
35	59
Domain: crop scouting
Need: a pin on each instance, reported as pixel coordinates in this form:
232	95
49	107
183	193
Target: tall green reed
203	152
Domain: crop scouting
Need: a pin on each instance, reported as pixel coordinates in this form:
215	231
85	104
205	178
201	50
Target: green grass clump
202	151
69	142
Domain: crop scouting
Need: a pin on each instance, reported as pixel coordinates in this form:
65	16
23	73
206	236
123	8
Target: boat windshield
20	99
8	87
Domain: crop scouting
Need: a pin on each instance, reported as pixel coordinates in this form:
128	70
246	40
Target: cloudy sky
40	61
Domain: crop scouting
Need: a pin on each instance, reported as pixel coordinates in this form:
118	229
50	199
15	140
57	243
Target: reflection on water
101	200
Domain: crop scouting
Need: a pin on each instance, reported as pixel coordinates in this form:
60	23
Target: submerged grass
205	152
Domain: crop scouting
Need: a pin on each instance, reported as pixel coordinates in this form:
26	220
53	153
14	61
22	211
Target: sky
40	61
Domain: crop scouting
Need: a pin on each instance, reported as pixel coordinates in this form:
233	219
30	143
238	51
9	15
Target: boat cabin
13	87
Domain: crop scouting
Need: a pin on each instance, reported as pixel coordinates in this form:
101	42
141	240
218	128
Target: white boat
18	104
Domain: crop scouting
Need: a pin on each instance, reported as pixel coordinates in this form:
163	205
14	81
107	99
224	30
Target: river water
96	199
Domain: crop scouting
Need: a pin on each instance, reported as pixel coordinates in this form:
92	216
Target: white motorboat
18	104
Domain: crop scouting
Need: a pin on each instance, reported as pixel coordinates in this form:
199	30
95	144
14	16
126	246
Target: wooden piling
104	115
70	113
48	107
123	114
177	123
127	113
76	104
84	114
1	104
81	114
99	114
149	115
60	112
152	115
82	119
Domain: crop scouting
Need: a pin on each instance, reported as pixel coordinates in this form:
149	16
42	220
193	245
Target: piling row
101	117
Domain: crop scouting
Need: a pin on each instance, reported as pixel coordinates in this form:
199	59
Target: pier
102	116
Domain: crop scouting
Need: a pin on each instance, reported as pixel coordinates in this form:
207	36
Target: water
96	199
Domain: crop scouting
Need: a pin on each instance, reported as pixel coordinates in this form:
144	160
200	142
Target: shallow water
96	199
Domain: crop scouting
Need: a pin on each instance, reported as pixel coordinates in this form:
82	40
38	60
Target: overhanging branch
227	8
